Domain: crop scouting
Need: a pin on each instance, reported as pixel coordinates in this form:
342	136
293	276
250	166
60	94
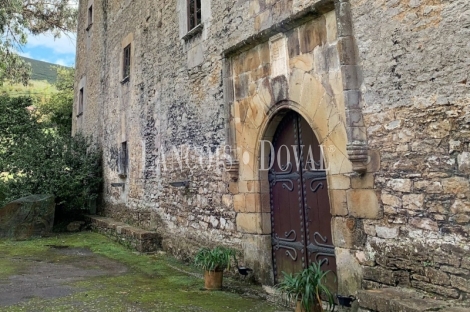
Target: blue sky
44	47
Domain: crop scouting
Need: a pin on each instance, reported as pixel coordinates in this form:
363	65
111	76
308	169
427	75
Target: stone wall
416	107
394	225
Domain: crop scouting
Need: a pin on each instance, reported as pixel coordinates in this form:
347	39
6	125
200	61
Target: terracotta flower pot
213	280
314	308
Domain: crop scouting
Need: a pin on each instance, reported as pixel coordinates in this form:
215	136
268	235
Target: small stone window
123	160
90	17
126	64
194	14
80	103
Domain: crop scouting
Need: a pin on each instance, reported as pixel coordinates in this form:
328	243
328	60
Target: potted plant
307	288
214	262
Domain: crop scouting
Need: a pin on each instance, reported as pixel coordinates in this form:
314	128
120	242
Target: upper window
90	16
126	64
80	103
194	13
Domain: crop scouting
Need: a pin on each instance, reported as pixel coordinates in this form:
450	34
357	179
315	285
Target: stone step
129	236
405	300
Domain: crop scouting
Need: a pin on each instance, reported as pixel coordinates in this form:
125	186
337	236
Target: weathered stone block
391	200
416	305
400	185
460	206
380	275
346	50
460	283
463	160
442	291
387	232
364	204
349	271
365	181
27	217
254	223
347	233
437	277
425	224
338	202
257	255
339	182
379	299
311	35
413	201
456	185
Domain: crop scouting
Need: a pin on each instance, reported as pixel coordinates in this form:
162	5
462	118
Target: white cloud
61	62
66	44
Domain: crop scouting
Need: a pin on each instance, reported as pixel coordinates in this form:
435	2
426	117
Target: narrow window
124	159
80	103
194	13
90	16
126	69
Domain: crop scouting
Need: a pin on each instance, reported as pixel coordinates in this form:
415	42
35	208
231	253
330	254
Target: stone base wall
129	236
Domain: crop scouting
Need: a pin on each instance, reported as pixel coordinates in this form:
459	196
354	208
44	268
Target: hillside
41	84
42	70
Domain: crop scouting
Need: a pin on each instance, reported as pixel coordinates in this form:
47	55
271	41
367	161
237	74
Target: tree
58	109
35	159
20	17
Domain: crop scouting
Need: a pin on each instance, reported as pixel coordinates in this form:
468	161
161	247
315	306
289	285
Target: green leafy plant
307	287
37	159
216	259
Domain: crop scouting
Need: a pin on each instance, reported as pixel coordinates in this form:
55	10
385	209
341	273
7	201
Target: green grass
149	285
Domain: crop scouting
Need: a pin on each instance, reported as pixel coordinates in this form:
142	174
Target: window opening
194	13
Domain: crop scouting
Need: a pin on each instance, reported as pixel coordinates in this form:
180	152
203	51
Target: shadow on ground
87	272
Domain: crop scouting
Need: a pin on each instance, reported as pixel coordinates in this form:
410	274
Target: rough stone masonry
384	84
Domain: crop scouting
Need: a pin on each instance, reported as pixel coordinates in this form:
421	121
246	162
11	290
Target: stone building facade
181	113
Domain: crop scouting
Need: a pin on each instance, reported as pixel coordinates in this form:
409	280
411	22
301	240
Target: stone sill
79	115
89	27
193	32
125	79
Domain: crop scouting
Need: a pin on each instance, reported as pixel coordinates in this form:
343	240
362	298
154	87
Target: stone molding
357	146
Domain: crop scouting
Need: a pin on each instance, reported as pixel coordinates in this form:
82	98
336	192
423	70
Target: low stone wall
129	236
396	300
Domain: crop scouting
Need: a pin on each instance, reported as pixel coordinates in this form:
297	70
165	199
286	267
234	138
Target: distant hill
42	70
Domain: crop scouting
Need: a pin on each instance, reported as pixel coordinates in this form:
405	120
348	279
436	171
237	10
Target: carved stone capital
232	168
358	154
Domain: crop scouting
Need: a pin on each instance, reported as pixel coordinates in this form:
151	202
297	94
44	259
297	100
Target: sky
60	51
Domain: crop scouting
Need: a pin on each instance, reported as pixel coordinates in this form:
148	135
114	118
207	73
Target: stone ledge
404	300
129	236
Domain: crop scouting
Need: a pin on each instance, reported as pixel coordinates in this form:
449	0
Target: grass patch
149	284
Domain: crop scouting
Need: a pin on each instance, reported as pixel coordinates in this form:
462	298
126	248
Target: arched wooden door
300	208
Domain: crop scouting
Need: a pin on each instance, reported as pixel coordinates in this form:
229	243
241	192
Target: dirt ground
88	272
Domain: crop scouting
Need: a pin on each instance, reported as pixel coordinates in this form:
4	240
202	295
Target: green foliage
307	286
39	160
58	109
17	18
216	259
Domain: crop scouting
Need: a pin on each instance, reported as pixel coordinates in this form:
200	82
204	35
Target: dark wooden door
300	208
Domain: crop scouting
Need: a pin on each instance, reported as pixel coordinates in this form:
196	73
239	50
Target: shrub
38	160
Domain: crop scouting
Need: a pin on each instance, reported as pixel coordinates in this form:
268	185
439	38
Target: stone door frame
331	104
